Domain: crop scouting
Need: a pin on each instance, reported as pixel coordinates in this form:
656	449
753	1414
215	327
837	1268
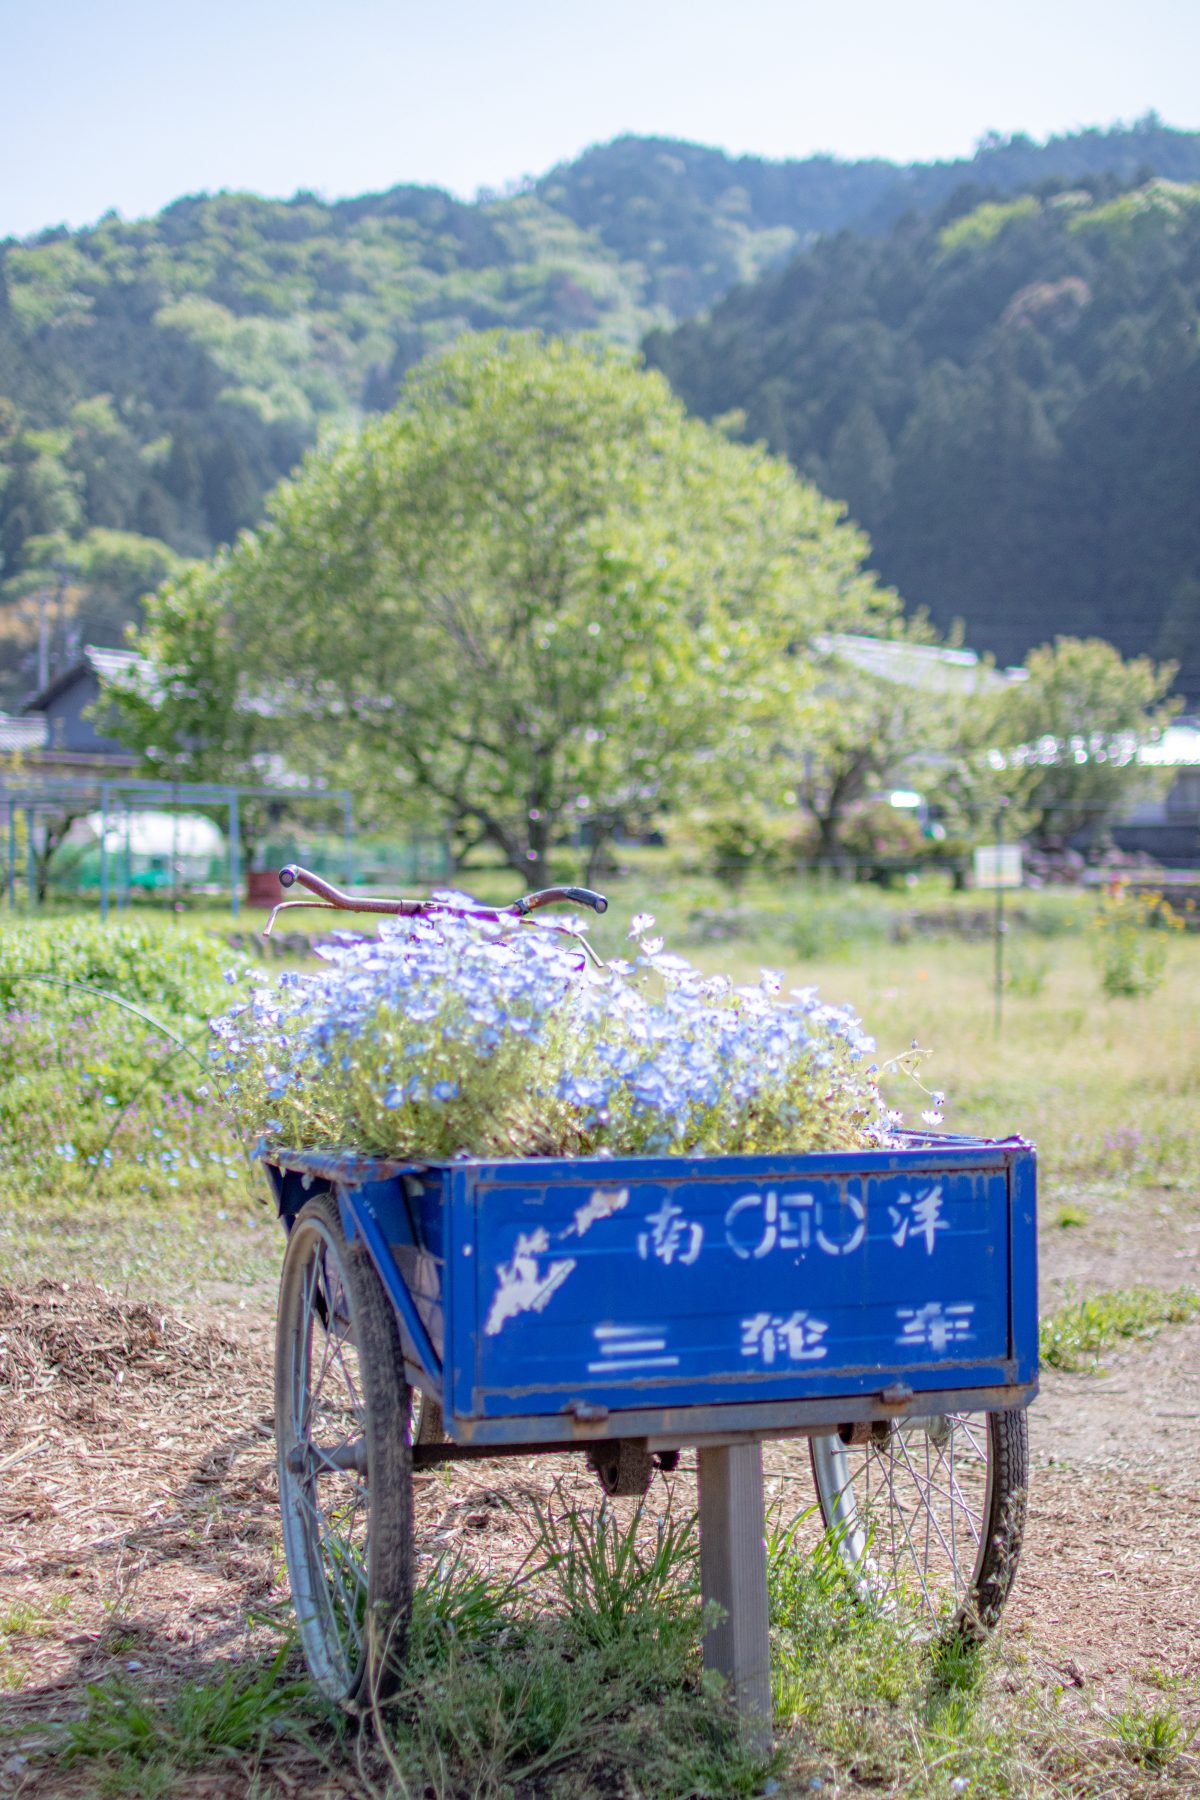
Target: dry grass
138	1530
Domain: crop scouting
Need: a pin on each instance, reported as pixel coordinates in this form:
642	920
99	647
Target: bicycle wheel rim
323	1491
910	1518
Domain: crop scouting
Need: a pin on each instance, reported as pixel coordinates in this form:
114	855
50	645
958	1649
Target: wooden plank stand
733	1579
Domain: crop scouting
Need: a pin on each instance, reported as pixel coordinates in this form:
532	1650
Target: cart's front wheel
345	1462
929	1510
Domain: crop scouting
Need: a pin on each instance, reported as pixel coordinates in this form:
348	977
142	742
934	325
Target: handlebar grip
587	897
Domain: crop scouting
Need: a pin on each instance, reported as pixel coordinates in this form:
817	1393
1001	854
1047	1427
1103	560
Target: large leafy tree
890	719
1064	743
186	708
534	594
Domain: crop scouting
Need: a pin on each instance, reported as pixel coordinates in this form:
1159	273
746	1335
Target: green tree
184	708
1067	738
875	718
534	595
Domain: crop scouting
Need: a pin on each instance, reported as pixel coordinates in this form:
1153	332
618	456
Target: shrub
176	972
102	1065
1132	928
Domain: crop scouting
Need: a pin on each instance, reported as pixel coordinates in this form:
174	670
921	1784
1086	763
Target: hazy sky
130	103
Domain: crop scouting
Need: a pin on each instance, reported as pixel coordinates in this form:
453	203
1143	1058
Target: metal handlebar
329	896
547	897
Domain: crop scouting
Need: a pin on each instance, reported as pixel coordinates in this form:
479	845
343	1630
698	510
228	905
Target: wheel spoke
334	1565
921	1498
932	1522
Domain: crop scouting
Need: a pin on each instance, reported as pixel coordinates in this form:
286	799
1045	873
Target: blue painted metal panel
650	1285
1023	1272
700	1289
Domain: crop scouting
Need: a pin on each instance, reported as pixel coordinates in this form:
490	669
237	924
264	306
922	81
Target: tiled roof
109	664
23	734
916	665
105	665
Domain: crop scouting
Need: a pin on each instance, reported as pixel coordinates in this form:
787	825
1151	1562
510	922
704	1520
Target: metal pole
31	856
43	651
999	932
348	835
234	873
103	851
733	1574
12	855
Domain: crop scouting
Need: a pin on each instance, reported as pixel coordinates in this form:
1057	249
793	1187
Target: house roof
105	665
916	665
22	734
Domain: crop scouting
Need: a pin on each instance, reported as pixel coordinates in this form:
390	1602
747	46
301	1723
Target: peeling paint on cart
523	1286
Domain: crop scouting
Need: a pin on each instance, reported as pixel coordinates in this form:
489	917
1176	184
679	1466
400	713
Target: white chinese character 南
798	1337
935	1325
918	1216
671	1236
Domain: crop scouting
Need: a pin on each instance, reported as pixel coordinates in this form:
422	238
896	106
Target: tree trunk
537	860
56	830
597	857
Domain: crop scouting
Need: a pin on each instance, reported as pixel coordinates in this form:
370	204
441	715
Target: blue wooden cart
881	1305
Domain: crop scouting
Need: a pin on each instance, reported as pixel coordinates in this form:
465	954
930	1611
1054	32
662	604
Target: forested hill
1008	397
696	221
158	377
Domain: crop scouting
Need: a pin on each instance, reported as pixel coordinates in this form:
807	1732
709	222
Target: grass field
515	1689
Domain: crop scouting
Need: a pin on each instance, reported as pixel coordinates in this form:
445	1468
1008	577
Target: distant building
1166	825
72	738
21	737
927	666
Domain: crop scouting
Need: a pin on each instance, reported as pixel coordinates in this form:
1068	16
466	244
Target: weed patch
581	1676
143	1744
1152	1736
1076	1335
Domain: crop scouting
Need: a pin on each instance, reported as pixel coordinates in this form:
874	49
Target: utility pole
43	654
1000	925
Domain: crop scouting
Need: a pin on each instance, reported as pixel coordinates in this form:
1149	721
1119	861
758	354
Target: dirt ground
138	1526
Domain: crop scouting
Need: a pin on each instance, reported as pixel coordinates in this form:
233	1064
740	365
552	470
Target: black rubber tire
982	1588
622	1468
1009	1451
358	1663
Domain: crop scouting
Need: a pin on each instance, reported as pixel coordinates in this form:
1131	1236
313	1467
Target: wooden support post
733	1572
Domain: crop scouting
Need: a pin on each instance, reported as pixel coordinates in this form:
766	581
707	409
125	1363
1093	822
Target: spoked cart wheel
342	1419
930	1511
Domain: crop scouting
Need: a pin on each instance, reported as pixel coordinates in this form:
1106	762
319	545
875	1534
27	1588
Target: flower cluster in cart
448	1036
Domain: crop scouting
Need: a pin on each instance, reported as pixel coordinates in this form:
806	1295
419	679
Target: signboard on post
997	866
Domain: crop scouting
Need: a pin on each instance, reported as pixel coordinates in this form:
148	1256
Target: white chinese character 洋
793	1223
798	1337
671	1237
935	1325
918	1216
